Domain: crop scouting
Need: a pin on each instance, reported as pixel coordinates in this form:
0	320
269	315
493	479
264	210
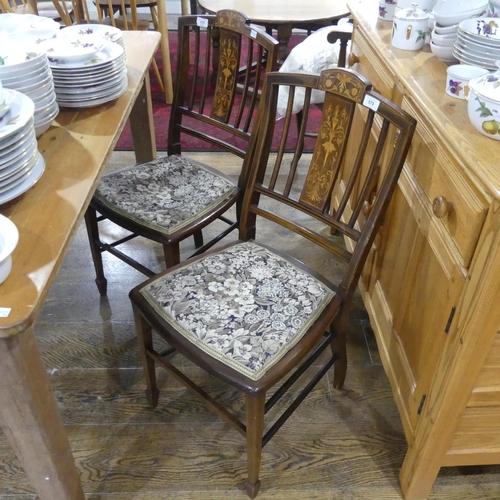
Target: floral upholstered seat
245	305
165	194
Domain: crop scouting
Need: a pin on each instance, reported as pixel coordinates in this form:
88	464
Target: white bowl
443	53
448	7
447	13
458	77
443	40
9	237
445	30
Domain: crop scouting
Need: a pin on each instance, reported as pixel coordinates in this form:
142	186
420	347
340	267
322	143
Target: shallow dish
9	237
442	53
65	50
109	33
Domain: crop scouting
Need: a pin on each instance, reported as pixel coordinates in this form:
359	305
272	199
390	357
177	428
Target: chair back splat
250	313
216	100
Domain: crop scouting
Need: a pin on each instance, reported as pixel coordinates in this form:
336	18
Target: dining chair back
18	7
175	197
251	314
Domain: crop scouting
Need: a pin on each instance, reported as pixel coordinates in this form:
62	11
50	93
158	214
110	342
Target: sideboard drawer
451	198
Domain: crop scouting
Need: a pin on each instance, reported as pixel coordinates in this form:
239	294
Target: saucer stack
478	42
87	70
27	71
21	165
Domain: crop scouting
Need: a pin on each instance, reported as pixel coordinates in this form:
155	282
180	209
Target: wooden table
284	15
75	149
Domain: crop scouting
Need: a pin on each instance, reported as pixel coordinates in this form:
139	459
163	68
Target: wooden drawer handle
352	59
366	208
441	207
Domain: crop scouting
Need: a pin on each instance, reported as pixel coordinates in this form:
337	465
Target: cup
386	10
458	76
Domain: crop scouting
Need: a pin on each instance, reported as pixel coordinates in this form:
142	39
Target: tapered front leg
145	340
255	429
93	234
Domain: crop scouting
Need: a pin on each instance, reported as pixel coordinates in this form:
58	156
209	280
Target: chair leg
93	235
145	340
255	430
172	254
198	239
340	366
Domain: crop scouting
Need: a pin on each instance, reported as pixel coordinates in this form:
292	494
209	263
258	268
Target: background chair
174	197
123	14
253	316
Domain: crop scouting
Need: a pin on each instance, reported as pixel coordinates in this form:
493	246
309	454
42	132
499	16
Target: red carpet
161	111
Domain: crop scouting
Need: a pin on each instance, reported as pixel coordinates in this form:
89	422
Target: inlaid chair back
250	313
347	192
219	105
174	197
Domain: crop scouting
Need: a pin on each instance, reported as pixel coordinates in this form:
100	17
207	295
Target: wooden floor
345	444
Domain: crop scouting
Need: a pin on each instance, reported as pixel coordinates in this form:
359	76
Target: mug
457	79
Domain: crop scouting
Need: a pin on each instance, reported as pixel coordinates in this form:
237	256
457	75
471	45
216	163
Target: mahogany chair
173	197
253	316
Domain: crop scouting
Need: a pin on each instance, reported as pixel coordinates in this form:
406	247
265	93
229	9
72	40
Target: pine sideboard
432	283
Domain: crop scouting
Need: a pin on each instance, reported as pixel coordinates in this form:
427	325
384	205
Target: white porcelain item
484	104
9	237
458	77
410	28
386	10
425	5
445	30
443	40
449	12
443	53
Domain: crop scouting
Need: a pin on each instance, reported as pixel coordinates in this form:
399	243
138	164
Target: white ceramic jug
410	28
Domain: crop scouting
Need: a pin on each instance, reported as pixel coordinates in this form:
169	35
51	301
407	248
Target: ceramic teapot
410	28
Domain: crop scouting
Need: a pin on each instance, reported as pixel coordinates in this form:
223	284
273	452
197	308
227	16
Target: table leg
284	34
142	125
31	421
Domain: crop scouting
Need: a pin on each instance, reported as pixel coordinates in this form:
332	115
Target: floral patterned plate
110	52
109	33
11	57
19	114
483	28
72	49
12	23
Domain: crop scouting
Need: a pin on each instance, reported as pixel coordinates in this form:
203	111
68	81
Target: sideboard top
422	78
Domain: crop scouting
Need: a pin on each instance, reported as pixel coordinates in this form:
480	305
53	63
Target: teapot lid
412	13
488	85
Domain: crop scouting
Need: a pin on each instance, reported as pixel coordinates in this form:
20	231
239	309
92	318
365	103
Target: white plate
110	52
71	50
14	155
87	78
19	114
26	22
18	177
13	57
96	102
26	183
483	28
109	33
10	151
95	89
18	136
9	98
14	171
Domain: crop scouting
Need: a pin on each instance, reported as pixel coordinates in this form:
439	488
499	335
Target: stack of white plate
21	165
109	33
88	71
478	42
27	27
27	70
